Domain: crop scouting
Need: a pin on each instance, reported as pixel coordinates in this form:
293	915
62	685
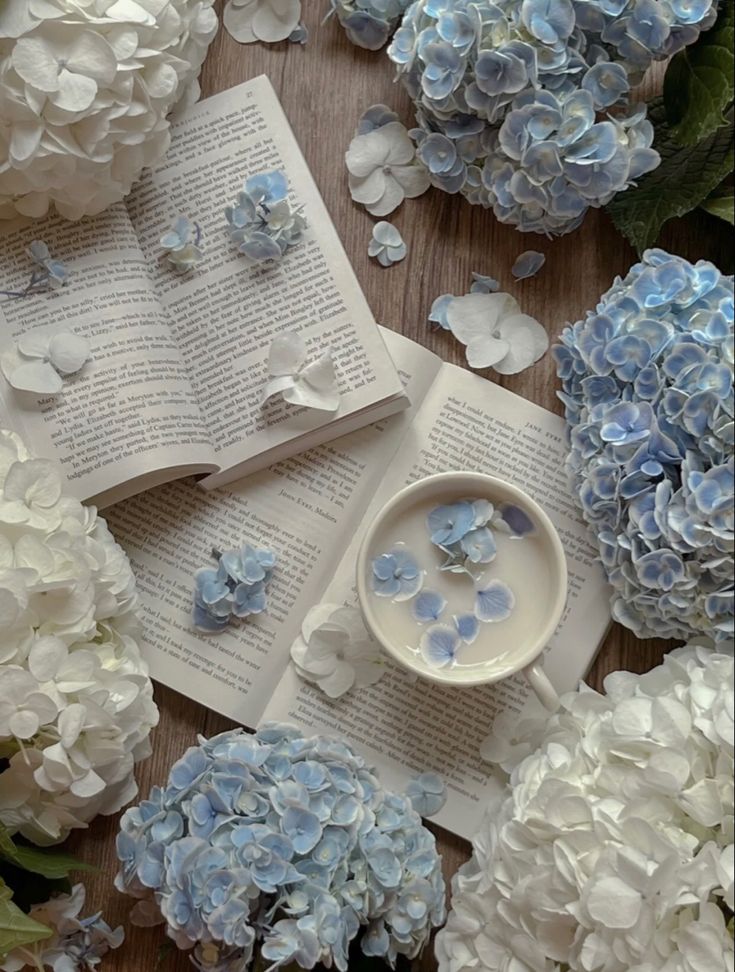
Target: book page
305	509
130	414
225	313
465	422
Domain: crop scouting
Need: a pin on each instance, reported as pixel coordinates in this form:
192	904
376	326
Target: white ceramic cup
525	656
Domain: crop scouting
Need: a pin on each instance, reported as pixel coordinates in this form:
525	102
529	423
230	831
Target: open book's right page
464	422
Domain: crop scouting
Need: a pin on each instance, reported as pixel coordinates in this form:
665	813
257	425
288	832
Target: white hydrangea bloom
85	91
76	703
611	849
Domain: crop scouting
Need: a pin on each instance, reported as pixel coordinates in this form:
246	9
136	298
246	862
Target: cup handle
539	682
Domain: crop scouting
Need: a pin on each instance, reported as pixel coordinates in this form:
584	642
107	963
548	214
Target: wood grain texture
323	87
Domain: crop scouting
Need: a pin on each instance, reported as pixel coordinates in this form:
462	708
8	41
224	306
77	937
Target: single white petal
15	20
274	20
45	657
25	139
316	385
35	63
36	376
127	11
401	149
93	57
75	92
387	234
287	354
474	314
34	345
391	199
367	190
238	22
318	615
413	179
367	153
68	352
277	386
527	340
340	681
23	724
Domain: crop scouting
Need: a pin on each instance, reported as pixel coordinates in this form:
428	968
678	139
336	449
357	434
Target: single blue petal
528	264
518	521
494	601
428	606
468	627
439	645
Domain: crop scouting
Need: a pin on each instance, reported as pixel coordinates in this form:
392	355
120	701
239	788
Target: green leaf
685	178
17	929
48	863
698	85
722	205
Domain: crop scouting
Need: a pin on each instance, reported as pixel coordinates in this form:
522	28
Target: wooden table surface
324	87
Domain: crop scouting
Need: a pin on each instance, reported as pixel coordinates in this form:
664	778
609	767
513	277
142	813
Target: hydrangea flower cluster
509	97
38	363
235	588
368	23
612	845
282	845
462	531
262	222
495	332
75	945
335	651
181	244
76	703
51	273
647	382
85	94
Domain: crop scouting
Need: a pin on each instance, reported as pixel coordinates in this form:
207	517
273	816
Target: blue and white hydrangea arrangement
464	532
647	381
284	847
262	221
523	106
235	588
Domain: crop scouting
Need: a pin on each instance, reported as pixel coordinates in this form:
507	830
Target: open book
312	510
179	361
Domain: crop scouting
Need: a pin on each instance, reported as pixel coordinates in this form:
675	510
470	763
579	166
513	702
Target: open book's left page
305	509
225	313
130	418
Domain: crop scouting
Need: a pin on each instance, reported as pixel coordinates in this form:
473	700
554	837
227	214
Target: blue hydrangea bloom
428	794
461	531
236	587
396	574
647	385
51	273
368	23
54	272
285	847
470	66
261	221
